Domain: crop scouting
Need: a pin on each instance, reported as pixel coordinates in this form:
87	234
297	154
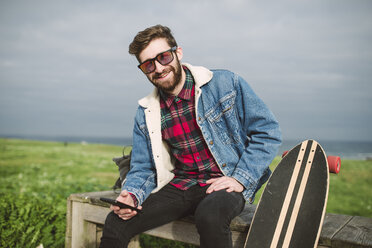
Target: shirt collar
184	94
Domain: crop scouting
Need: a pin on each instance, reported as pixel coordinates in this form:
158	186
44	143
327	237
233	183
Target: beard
170	84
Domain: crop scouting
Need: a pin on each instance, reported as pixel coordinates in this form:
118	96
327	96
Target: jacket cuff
250	185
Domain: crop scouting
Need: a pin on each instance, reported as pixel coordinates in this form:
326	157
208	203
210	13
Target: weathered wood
242	222
86	215
81	231
356	233
99	229
180	230
85	221
90	234
95	214
134	242
68	235
332	224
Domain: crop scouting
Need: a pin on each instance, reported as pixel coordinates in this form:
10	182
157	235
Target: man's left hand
228	183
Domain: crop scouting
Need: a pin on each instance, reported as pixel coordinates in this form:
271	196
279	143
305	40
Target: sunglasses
163	58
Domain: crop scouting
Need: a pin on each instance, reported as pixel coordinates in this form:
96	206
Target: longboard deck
291	210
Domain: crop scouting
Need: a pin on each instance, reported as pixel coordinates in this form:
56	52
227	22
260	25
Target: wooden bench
86	215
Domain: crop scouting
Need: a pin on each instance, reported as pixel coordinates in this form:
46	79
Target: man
202	144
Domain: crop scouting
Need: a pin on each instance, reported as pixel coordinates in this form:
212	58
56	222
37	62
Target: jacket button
211	142
224	165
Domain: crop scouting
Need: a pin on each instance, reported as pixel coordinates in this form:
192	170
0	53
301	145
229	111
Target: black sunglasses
163	58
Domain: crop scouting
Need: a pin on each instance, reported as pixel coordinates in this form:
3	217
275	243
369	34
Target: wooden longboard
291	210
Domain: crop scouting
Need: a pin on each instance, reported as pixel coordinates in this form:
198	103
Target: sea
356	150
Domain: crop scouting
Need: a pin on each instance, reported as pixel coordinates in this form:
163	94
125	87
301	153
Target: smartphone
119	204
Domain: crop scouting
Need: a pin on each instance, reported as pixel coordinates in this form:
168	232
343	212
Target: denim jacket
240	131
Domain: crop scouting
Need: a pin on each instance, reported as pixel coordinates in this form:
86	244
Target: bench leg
134	242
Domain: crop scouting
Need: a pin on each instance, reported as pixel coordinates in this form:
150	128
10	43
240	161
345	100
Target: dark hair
143	39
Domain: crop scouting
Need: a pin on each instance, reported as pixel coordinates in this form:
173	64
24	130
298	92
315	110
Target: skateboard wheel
284	153
334	164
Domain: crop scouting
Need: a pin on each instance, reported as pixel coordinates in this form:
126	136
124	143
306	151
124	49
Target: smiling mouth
163	75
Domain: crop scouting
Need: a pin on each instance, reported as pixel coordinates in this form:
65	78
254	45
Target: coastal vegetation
37	177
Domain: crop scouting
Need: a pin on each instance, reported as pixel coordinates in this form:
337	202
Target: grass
37	177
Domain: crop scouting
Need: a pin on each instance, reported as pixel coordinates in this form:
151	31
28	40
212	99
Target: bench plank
332	224
86	215
357	233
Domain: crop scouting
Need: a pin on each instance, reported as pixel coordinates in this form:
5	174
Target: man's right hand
125	213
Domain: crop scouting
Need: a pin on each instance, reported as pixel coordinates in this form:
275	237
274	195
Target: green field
37	177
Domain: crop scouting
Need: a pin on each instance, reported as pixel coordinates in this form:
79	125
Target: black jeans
213	214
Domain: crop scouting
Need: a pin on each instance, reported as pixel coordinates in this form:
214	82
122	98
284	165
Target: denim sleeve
141	178
264	139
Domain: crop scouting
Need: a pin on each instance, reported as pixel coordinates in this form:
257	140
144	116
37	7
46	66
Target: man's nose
158	67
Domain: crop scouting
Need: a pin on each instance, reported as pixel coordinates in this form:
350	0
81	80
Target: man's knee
218	209
211	215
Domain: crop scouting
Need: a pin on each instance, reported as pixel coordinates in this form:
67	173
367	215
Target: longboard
291	210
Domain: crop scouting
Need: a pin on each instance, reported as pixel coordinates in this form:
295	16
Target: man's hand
228	183
125	213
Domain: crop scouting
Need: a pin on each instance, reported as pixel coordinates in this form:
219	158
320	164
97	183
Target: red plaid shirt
194	162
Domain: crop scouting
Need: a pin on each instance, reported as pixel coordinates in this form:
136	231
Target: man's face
165	77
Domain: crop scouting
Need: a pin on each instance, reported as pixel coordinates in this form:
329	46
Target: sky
65	68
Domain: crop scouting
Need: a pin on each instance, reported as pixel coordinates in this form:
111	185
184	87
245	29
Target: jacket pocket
223	119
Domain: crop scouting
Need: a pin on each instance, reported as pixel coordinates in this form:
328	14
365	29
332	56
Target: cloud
64	66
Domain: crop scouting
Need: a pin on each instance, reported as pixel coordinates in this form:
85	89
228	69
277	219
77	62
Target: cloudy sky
65	70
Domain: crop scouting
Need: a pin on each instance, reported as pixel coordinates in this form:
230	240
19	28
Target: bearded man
202	144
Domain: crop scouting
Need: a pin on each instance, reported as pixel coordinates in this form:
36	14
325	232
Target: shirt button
199	118
211	142
224	165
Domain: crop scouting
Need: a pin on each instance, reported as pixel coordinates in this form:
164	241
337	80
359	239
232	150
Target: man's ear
179	53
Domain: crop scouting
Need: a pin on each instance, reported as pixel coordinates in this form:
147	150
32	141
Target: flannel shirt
194	162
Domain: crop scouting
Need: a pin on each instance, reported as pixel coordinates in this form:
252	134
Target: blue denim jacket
240	131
